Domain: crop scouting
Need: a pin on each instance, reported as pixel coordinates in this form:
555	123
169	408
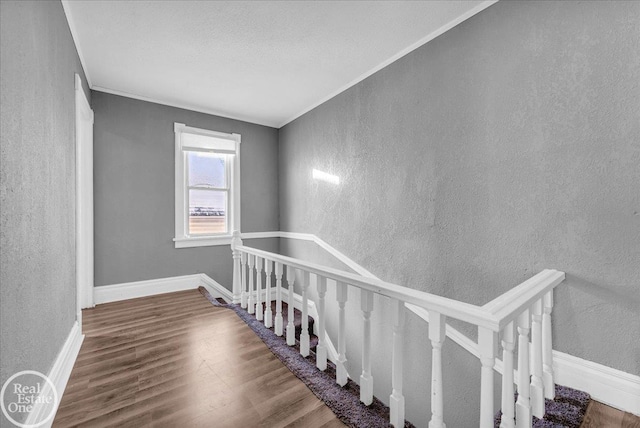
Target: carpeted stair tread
543	423
572	396
567	410
297	323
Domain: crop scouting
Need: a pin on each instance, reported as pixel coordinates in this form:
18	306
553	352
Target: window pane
206	169
207	212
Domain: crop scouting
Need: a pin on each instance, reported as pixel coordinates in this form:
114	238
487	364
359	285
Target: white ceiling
266	62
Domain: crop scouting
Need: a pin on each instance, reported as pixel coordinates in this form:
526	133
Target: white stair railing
525	308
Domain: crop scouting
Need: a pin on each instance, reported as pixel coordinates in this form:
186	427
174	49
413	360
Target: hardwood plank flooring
174	360
600	415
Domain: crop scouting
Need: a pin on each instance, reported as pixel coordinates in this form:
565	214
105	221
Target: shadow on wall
619	295
582	306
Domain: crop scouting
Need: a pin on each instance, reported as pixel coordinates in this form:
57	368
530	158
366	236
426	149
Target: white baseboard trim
133	290
610	386
216	289
151	287
59	375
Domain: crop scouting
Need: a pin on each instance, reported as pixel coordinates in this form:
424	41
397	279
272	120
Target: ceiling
265	62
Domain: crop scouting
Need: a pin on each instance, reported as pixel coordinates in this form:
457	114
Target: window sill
202	241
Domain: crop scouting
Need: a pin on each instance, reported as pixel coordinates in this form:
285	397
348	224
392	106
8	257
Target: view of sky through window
207	206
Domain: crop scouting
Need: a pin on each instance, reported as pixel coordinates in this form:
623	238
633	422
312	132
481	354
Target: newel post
237	280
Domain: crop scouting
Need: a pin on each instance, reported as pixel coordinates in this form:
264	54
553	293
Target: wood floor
600	415
174	360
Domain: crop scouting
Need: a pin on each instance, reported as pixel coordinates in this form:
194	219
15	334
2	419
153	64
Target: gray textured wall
37	193
134	191
507	145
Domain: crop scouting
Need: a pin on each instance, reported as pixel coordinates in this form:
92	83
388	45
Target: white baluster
304	335
523	405
251	300
268	314
366	380
537	387
321	349
396	400
291	330
341	369
437	325
259	308
487	347
237	275
278	327
547	348
508	400
243	261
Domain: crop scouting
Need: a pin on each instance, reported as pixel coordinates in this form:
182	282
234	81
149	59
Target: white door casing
84	201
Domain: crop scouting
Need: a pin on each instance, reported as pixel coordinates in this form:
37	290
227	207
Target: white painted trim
482	6
202	241
152	287
184	106
260	235
133	290
181	190
59	373
344	259
215	288
76	40
605	384
84	119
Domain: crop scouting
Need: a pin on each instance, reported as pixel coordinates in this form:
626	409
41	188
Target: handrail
494	315
509	305
510	317
463	311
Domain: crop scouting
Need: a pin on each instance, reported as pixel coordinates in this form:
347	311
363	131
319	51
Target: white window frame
182	238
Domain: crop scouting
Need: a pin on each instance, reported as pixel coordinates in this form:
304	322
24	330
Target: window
207	186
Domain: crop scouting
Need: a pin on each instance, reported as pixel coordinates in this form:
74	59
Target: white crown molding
184	106
271	124
482	6
76	41
59	375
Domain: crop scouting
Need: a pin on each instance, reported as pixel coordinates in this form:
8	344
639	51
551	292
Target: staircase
519	320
